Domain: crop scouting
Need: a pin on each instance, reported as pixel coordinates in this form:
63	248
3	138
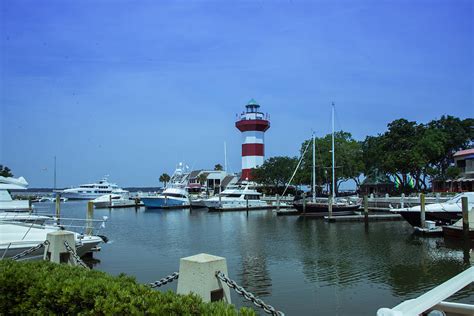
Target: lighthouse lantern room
252	124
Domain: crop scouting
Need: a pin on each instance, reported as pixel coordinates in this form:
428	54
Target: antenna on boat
333	177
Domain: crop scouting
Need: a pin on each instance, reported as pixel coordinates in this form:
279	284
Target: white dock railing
434	299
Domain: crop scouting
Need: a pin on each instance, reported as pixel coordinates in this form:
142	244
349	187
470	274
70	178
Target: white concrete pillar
197	274
56	250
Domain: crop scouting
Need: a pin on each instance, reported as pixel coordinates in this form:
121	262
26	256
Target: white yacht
91	191
440	213
18	237
114	200
235	198
6	201
175	195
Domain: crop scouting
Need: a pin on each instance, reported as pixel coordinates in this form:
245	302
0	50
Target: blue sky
130	88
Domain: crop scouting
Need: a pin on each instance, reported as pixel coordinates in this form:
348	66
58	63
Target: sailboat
320	207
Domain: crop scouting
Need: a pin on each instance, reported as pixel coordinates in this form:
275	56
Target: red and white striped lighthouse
252	124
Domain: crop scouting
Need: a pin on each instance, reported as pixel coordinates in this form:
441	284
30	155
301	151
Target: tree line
406	150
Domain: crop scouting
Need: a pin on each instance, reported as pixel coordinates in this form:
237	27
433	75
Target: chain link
247	295
29	251
75	256
165	280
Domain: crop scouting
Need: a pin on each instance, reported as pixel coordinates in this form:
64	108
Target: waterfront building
213	179
252	124
377	183
464	160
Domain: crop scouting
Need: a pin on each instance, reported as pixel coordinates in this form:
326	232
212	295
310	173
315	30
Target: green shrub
42	287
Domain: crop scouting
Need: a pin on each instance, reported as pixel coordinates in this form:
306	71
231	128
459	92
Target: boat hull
162	202
321	209
80	196
440	218
456	232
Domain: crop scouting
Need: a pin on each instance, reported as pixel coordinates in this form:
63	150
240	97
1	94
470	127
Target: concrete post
465	218
56	250
278	202
89	217
110	200
402	201
197	275
30	206
422	210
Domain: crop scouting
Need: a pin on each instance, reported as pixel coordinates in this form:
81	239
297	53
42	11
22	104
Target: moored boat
18	237
169	198
236	198
115	201
440	213
6	201
456	230
320	207
91	191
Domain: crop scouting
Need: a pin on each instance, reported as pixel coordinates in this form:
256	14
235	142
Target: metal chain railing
75	256
29	251
247	295
165	280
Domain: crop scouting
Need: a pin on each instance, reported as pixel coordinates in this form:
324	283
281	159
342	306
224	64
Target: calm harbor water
300	266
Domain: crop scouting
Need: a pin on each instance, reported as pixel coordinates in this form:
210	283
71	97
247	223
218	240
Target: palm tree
165	178
218	167
202	178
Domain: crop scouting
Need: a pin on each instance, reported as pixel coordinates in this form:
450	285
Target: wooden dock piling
304	203
366	210
330	207
247	205
58	208
89	217
465	218
422	211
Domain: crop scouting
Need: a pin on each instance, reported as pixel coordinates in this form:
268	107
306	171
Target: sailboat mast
54	184
314	171
225	157
333	174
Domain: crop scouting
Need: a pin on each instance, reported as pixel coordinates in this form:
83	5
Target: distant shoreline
50	190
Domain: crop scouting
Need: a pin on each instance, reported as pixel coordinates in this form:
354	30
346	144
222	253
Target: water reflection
301	266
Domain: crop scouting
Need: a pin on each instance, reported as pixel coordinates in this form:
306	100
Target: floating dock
257	208
361	218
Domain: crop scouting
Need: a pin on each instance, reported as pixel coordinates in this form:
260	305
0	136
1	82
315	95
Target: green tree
218	167
275	171
348	160
457	135
165	178
421	151
5	171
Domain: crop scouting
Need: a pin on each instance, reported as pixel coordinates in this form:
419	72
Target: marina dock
361	218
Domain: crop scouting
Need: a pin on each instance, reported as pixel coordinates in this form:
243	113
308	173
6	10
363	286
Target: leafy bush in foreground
42	287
